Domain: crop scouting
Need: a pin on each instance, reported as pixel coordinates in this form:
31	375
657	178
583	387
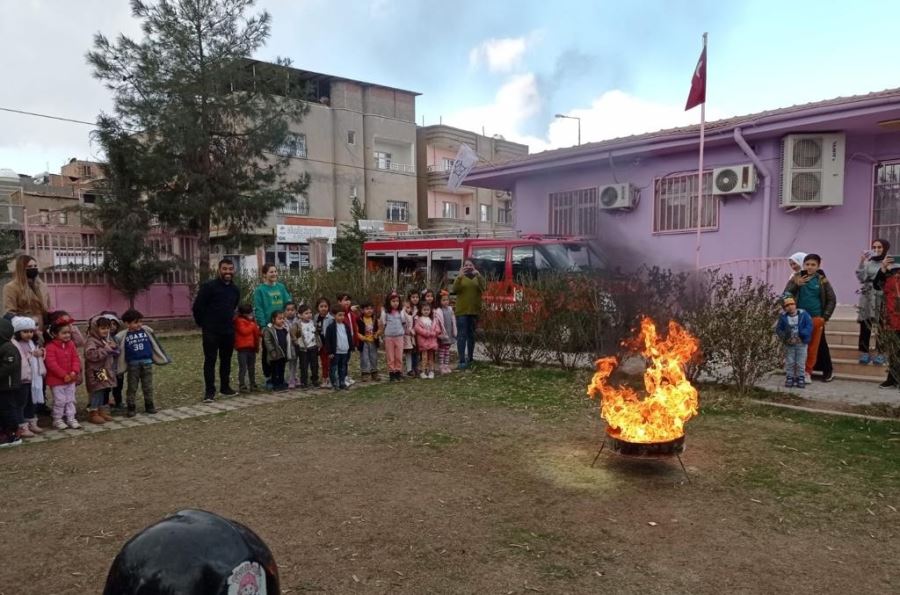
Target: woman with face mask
26	294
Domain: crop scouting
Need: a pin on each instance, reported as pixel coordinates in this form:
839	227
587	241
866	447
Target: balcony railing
440	168
504	216
295	208
391	165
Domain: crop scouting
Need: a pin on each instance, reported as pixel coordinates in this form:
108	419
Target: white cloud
500	55
516	101
615	114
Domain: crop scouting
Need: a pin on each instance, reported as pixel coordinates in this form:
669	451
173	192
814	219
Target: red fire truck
433	260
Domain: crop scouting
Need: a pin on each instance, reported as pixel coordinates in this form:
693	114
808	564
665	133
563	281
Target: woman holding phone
870	299
468	287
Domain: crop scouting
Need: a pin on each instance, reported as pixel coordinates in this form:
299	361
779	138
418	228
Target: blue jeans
794	360
465	337
338	371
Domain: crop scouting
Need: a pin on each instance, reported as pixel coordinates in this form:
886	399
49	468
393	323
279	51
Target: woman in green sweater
468	287
268	297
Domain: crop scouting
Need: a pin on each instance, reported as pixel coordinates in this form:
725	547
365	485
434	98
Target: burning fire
671	399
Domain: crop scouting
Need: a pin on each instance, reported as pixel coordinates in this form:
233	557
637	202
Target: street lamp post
572	118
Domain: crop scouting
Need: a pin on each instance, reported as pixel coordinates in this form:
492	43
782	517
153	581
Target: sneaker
807	378
73	424
10	441
344	387
209	399
461	366
889	383
228	392
132	411
34	427
268	385
59	424
789	382
150	409
800	383
24	432
864	359
243	388
94	417
829	377
349	381
254	388
118	409
292	385
879	360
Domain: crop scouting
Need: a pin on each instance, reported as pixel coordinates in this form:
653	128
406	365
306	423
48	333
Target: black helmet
194	552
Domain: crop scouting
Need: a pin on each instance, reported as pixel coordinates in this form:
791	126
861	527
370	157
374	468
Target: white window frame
294	145
450	210
382	160
297	205
397	211
484	213
675	204
447	163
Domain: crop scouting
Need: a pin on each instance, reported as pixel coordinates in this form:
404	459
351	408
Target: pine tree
348	248
208	120
129	263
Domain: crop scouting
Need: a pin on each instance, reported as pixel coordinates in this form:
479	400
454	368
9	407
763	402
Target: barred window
675	203
574	212
397	210
294	145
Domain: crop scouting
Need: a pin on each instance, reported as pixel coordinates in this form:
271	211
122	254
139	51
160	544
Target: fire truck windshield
585	258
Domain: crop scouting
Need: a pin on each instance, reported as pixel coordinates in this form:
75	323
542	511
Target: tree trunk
203	248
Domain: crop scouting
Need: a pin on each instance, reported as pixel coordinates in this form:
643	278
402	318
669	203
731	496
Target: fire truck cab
504	261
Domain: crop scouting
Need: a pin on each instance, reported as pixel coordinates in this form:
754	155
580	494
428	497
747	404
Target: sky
502	66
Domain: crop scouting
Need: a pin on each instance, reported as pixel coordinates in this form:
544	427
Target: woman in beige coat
26	294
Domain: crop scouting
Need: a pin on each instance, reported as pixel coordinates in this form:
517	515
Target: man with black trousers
214	310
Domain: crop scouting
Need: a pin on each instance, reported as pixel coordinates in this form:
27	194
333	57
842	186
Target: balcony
441	168
388	164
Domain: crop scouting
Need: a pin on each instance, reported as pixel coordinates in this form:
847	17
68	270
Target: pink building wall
83	301
838	234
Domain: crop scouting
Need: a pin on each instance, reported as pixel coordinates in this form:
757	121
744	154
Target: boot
33	426
95	417
105	414
149	408
132	410
24	432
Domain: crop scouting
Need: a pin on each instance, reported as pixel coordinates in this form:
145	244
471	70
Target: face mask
31	273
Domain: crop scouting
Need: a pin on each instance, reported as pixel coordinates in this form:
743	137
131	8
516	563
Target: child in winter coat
292	322
139	351
63	373
247	338
795	328
368	335
33	372
393	322
11	406
100	353
448	336
322	319
428	329
279	349
413	298
409	338
115	325
308	345
338	342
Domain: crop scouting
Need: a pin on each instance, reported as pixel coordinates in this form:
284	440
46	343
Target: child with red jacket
63	373
246	341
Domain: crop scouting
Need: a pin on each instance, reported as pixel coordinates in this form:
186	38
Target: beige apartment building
476	210
357	140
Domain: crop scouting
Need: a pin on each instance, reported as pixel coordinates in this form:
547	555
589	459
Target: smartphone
870	253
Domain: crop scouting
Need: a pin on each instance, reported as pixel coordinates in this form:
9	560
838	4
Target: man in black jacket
214	310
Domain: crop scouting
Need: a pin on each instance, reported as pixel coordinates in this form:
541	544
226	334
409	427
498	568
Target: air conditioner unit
813	174
736	179
619	196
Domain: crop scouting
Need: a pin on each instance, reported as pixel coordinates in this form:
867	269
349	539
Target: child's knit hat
23	323
789	301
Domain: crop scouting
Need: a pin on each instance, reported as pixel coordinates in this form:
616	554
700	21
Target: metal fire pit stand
653	450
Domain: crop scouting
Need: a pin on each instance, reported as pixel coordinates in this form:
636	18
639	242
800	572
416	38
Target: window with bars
675	203
294	145
296	205
886	205
574	212
397	210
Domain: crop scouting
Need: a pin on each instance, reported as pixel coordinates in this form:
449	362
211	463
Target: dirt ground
387	490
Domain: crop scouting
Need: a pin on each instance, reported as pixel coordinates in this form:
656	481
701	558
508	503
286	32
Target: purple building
821	177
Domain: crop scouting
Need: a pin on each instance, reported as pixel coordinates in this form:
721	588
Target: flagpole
700	168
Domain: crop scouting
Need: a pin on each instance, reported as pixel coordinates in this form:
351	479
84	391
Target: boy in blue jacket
795	328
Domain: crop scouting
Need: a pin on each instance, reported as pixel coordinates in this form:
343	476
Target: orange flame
671	399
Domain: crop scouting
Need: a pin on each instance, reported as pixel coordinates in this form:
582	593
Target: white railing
403	168
774	271
440	168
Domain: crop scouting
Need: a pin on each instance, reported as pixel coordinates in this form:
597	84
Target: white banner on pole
465	161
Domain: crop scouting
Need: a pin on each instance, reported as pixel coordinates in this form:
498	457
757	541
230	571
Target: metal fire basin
649	450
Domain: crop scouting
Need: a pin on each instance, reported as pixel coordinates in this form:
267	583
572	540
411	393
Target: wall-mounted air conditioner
619	196
813	174
735	179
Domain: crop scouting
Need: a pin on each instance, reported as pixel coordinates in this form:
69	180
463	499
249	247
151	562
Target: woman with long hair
269	297
26	294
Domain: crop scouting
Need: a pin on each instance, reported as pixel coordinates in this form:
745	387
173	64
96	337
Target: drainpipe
767	192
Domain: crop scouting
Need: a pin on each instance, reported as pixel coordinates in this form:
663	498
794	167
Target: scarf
887	247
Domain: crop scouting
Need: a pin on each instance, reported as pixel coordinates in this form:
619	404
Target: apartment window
447	164
451	210
675	203
86	171
294	145
351	137
63	218
44	216
296	205
382	160
397	210
89	199
504	214
574	212
484	213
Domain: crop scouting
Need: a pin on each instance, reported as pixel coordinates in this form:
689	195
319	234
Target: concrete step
853	368
844	325
841	337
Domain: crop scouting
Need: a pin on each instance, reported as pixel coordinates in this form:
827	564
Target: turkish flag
698	84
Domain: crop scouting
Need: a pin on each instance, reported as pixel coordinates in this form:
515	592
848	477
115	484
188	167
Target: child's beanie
23	323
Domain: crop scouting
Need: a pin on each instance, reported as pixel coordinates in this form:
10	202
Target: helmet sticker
248	578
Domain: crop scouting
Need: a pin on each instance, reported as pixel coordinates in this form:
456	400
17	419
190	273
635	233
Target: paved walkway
184	412
851	392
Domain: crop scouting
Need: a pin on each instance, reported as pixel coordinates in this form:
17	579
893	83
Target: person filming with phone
468	287
870	300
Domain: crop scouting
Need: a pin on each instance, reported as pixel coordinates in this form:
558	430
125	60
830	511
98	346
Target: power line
49	117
